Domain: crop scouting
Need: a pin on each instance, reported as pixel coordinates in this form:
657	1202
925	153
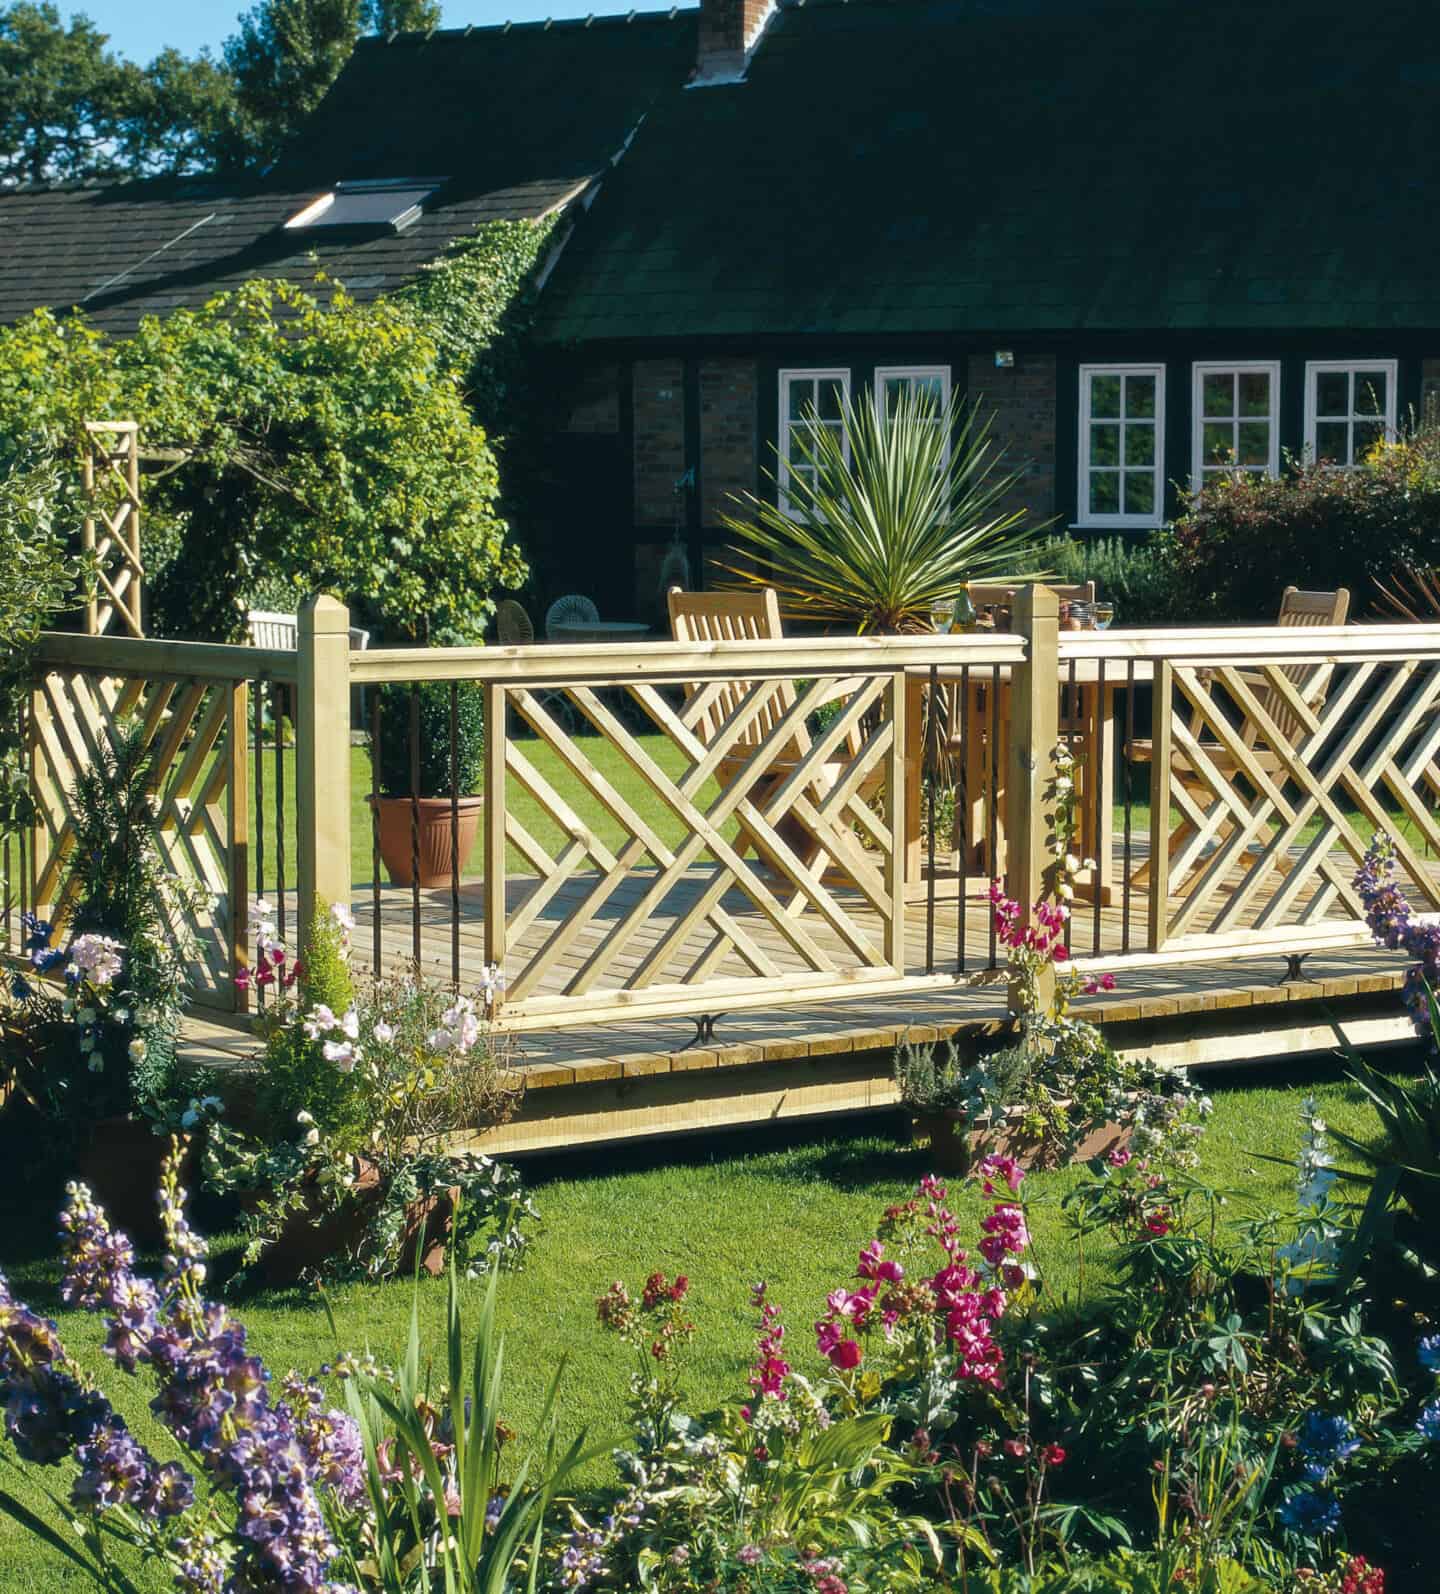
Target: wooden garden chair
1312	686
755	617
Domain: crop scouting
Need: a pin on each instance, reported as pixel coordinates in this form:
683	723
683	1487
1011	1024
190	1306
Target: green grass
726	1212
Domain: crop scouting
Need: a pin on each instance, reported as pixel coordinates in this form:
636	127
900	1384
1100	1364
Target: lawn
725	1211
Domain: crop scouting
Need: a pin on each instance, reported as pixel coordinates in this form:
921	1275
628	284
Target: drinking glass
941	614
1104	614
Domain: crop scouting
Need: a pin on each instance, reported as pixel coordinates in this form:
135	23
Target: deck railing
695	828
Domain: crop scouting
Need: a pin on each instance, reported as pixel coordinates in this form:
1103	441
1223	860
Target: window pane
1369	392
1218	394
1105	396
1254	393
1139	492
1139	395
1332	442
1332	393
829	401
1367	435
1104	445
1254	446
1139	445
894	387
1217	442
1105	493
802	394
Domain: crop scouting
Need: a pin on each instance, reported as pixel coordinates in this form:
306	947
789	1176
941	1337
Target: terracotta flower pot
949	1137
312	1236
956	1144
437	860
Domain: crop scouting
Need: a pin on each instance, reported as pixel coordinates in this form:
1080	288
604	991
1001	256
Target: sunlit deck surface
647	1075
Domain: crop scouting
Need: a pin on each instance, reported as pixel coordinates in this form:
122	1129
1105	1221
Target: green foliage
322	444
431	701
1244	539
297	1078
935	1078
1139	576
889	516
121	888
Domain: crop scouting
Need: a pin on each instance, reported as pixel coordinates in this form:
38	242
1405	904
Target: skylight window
380	202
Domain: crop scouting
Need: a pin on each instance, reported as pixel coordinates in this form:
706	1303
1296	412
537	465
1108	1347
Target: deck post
322	757
1034	731
237	834
1161	722
496	896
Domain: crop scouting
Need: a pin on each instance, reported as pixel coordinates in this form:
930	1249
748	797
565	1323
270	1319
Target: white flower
320	1022
96	956
303	1117
312	1137
1063	784
1065	891
344	1054
343	917
350	1025
138	1049
1072	863
384	1033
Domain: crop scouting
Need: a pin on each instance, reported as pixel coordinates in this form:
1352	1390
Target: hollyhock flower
344	1055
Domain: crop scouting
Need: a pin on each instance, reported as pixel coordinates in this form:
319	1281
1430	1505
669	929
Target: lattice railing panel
760	856
197	730
111	532
1278	774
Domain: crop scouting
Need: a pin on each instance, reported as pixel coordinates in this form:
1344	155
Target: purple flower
1428	1423
1388	915
1311	1513
1429	1352
1323	1442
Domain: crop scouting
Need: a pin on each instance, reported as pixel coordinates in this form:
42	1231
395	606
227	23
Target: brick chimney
728	31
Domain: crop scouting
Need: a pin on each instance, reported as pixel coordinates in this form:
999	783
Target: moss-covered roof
901	166
516	120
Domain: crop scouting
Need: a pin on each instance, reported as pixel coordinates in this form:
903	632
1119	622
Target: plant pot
438	862
120	1160
312	1235
958	1143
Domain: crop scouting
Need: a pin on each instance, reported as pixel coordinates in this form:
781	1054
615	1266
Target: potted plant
953	1096
345	1168
418	820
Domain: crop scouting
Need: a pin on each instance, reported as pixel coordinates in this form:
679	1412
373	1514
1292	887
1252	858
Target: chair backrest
1003	592
567	610
268	629
1312	681
732	617
512	624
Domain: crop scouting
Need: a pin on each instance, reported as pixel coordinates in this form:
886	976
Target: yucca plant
886	516
1413	594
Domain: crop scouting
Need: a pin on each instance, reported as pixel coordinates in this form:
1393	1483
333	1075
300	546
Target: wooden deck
659	1075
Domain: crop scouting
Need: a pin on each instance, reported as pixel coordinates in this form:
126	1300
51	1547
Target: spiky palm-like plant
886	514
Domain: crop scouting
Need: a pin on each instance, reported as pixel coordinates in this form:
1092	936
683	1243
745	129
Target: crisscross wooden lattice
787	878
197	729
1273	778
111	532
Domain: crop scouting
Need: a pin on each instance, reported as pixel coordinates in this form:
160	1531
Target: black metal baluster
929	775
993	860
962	816
257	730
455	834
277	717
1099	782
1070	707
1129	802
375	949
415	821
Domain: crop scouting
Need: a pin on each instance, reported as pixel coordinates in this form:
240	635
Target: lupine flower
1388	915
1429	1352
1428	1423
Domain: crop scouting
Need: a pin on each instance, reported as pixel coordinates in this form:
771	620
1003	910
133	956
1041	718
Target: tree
63	96
180	116
400	16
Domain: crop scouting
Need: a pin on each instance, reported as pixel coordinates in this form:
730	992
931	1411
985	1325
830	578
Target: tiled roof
903	166
519	120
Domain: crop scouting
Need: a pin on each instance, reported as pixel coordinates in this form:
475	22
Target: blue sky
141	31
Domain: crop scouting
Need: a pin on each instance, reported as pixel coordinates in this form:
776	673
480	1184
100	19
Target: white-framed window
1235	419
808	399
893	380
1122	445
1349	407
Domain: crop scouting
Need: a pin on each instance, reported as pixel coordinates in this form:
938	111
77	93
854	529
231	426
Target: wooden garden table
1090	722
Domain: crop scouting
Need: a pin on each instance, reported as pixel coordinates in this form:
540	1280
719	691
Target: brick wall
659	439
1430	390
1023	402
727	435
597	401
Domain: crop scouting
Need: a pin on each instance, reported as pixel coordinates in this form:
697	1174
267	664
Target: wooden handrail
1254	644
160	660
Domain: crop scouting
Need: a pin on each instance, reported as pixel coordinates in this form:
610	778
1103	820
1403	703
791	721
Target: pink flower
1120	1156
1053	1456
996	1166
1016	1449
846	1355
